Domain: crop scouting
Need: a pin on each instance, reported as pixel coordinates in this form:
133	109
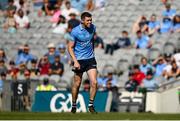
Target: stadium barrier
61	101
167	101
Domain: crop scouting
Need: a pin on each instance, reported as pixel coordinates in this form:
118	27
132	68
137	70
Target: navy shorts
86	65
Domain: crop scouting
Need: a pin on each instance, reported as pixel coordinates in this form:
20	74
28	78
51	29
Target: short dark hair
2	61
10	1
125	32
3	74
138	32
153	14
33	61
168	5
11	62
68	2
150	72
136	66
85	14
72	14
143	58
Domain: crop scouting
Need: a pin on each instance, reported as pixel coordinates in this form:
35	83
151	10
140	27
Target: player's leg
92	74
75	90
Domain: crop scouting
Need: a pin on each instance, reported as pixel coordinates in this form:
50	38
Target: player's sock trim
73	104
91	102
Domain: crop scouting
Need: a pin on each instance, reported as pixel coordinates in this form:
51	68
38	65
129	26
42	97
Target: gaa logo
62	103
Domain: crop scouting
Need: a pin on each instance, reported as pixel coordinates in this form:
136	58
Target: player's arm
71	53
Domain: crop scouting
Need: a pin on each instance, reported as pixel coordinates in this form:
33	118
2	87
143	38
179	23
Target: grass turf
86	116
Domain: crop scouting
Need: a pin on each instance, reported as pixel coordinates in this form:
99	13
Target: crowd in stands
166	65
64	16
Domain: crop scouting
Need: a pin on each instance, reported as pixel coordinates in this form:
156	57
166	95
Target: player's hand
76	65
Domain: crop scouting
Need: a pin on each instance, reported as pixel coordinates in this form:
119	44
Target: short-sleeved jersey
82	37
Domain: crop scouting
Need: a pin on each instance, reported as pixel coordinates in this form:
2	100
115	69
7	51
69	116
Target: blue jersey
142	42
150	84
82	38
169	13
176	27
166	27
153	24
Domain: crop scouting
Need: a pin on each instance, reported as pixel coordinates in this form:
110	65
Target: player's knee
94	83
78	83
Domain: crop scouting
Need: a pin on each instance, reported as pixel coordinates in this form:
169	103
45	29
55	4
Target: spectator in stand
145	66
98	41
22	68
61	26
159	65
90	5
153	25
176	23
100	78
143	41
34	71
131	85
141	24
138	76
3	55
67	35
55	16
176	57
47	9
20	50
46	86
10	23
64	55
3	68
22	4
44	66
11	7
108	82
2	80
166	25
73	22
86	85
168	60
174	72
80	5
122	42
51	52
149	83
24	56
59	3
68	10
22	21
57	68
170	13
13	70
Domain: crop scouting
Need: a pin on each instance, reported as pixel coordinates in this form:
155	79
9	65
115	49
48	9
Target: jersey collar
81	27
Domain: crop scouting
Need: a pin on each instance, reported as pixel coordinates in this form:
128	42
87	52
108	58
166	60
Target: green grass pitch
86	116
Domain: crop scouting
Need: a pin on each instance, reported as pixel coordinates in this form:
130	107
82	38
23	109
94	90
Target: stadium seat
169	48
123	107
134	107
122	66
153	54
137	58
